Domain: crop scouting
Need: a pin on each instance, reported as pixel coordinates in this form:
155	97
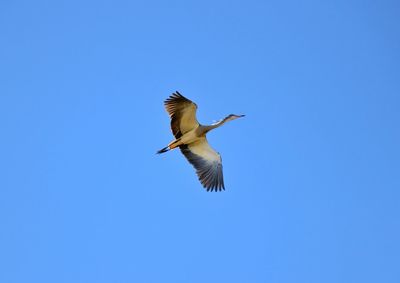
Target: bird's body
190	137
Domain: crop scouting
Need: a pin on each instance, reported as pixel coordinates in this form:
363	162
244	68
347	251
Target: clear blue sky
312	173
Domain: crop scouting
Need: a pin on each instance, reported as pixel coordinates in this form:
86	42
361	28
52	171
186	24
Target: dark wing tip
176	97
215	188
212	179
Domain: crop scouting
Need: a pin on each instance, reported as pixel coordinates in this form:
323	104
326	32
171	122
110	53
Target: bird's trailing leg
165	149
170	146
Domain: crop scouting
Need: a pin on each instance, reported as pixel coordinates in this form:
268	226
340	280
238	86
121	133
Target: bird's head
233	117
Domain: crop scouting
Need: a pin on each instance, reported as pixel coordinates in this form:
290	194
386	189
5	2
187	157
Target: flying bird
190	137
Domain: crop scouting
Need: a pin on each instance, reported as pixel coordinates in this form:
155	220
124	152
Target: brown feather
182	112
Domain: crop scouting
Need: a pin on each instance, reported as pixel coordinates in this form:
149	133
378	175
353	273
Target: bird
190	138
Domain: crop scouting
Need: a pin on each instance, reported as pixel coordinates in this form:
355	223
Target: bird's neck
208	128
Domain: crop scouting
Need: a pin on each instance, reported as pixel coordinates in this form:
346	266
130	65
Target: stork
190	137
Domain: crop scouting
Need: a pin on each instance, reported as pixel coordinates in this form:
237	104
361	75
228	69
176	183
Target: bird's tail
165	149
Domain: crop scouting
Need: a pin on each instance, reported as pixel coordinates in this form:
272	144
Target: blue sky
311	174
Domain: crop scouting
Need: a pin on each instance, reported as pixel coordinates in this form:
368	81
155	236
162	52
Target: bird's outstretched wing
182	112
207	162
